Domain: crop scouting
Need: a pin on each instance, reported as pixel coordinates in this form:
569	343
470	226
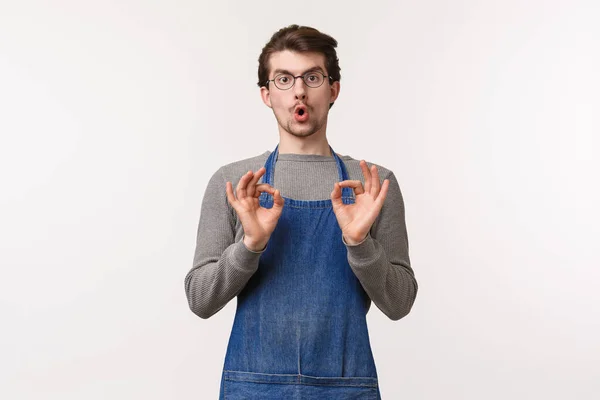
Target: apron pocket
240	385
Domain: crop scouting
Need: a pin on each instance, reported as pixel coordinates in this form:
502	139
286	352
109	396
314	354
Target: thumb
336	196
277	199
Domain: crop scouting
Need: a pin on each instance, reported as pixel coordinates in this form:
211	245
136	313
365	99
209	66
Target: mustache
301	105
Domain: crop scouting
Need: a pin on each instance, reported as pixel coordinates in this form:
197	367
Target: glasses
311	79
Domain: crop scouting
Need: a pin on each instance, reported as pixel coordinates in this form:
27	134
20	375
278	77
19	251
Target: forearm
391	286
213	282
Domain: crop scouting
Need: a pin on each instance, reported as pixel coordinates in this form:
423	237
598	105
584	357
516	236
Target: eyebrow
285	71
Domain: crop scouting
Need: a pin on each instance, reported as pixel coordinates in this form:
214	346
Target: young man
307	240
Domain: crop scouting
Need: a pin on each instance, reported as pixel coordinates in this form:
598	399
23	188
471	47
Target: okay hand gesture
258	222
356	219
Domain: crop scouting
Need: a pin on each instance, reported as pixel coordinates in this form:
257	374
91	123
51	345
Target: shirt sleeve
222	266
381	261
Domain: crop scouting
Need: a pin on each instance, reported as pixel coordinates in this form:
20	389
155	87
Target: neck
314	144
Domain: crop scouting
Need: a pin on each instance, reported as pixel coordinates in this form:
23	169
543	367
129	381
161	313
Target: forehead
295	62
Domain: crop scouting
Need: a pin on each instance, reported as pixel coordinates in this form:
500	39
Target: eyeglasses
311	79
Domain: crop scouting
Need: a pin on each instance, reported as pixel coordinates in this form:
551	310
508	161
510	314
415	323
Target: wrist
254	246
353	241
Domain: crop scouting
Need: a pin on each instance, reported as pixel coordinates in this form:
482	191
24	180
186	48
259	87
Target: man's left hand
356	219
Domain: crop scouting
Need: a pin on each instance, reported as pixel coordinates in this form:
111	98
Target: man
306	242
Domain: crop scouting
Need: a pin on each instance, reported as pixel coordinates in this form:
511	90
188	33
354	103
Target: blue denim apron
300	328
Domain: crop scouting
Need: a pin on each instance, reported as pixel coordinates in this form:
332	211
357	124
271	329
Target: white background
114	115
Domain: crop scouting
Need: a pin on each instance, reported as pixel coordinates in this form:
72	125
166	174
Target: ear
334	91
265	95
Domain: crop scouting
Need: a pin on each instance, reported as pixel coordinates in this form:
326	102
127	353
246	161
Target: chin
301	133
301	130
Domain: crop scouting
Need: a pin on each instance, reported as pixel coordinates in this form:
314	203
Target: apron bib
300	328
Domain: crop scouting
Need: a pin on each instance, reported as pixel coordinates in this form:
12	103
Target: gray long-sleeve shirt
223	264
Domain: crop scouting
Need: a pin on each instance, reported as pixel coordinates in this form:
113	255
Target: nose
300	88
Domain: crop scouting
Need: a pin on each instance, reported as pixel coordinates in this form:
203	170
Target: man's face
284	103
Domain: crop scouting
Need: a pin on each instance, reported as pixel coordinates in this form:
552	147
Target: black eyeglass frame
300	76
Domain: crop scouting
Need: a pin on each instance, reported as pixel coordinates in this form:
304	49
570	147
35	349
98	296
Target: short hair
302	39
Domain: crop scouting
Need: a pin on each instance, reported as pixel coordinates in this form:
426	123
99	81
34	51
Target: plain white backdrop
114	115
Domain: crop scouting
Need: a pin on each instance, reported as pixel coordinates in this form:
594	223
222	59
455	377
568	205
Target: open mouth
301	114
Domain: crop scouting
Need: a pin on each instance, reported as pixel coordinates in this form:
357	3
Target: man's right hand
258	222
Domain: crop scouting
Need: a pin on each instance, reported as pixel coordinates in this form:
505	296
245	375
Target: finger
278	201
382	194
229	192
366	174
263	187
356	185
336	195
375	184
242	184
250	189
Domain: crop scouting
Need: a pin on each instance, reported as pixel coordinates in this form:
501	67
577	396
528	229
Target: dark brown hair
302	39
